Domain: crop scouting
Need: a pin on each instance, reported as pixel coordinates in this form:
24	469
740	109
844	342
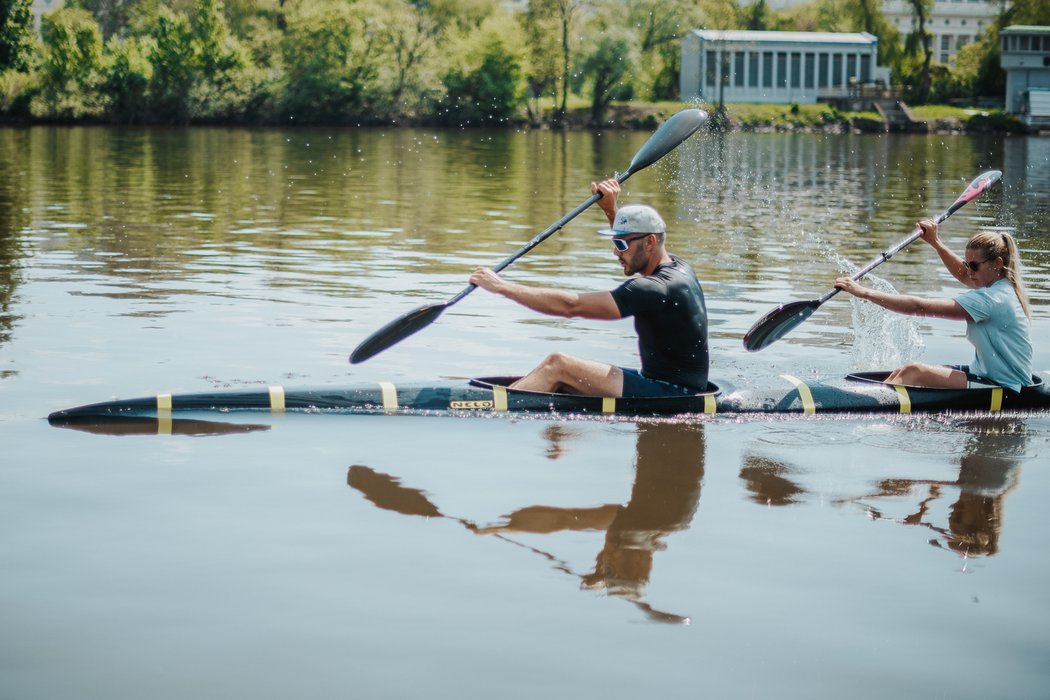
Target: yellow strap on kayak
277	399
608	404
710	405
808	406
902	394
997	400
164	424
163	403
499	398
389	394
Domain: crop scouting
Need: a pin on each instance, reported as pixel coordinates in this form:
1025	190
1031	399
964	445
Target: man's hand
610	191
486	279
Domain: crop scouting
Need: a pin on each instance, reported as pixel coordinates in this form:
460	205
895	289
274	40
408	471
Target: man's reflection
669	470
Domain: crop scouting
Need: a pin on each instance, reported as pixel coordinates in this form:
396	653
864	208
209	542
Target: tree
920	39
659	26
72	57
336	80
562	14
486	95
16	34
608	67
174	66
126	78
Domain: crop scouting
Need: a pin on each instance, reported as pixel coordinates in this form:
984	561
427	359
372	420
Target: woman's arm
952	262
905	303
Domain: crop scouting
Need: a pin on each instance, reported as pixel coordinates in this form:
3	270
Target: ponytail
1002	245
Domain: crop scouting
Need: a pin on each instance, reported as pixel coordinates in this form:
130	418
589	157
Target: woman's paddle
670	134
781	320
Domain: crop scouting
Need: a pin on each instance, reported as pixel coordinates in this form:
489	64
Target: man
665	299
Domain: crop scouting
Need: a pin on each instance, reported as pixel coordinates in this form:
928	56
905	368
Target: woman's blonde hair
994	244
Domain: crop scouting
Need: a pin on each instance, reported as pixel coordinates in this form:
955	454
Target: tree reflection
669	470
13	220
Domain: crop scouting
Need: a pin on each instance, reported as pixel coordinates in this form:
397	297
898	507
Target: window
782	69
1024	43
738	67
767	69
811	69
836	69
822	71
851	67
752	72
711	69
796	70
961	41
946	42
865	68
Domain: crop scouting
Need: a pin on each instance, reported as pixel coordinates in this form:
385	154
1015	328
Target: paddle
664	140
781	320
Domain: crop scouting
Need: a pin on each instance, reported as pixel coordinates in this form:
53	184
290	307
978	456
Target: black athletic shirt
671	321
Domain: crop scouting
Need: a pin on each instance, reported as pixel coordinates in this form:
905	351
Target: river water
403	556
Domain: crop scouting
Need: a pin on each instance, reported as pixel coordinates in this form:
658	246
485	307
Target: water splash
882	339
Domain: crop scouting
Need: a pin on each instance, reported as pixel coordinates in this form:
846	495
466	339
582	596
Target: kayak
860	393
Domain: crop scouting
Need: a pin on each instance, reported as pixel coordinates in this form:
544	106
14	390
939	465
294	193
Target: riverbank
797	118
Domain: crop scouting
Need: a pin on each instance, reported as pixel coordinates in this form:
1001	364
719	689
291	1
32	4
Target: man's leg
561	372
921	374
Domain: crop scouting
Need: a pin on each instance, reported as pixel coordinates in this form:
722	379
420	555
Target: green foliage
69	72
336	80
606	67
172	56
16	34
127	74
16	93
485	95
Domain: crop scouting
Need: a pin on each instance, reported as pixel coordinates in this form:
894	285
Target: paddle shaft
540	237
890	252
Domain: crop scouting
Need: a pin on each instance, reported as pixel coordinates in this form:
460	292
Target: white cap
635	218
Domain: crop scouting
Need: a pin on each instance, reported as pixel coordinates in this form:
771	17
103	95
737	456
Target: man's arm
553	302
904	303
610	190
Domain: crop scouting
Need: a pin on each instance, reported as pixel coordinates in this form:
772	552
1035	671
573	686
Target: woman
996	314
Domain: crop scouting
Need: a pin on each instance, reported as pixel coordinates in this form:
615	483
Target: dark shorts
973	381
635	385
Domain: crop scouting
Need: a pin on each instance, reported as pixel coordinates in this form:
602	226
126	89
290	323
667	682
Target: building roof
1025	29
787	37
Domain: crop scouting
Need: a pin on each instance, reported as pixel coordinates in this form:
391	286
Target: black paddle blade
668	137
396	331
778	323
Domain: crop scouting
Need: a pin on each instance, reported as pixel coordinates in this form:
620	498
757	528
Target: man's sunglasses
622	244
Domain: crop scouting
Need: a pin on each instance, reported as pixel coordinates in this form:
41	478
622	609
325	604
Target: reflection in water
129	425
669	469
766	481
13	219
988	471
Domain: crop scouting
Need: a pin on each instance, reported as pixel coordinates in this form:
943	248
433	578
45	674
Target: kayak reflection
143	425
669	469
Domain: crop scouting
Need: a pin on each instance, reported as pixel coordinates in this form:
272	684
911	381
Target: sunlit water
395	557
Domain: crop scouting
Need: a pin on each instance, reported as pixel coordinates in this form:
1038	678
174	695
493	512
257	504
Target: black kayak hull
858	393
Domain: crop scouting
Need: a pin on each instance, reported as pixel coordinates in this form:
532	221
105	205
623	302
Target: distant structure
1026	59
42	6
720	66
953	23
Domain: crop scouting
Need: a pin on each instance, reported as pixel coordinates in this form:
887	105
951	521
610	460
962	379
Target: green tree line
449	62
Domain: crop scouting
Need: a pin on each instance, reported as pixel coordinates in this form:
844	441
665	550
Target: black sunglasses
622	244
974	265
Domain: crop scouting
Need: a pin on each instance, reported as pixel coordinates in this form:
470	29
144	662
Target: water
320	556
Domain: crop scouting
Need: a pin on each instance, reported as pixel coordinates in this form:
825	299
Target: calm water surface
397	557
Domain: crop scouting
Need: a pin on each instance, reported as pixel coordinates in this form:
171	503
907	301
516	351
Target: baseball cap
635	218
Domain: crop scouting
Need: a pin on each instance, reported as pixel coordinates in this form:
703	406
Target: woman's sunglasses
974	265
622	244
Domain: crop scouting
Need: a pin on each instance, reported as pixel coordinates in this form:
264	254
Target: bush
486	95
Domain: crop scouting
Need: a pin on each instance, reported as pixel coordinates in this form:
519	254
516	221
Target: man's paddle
670	134
781	320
